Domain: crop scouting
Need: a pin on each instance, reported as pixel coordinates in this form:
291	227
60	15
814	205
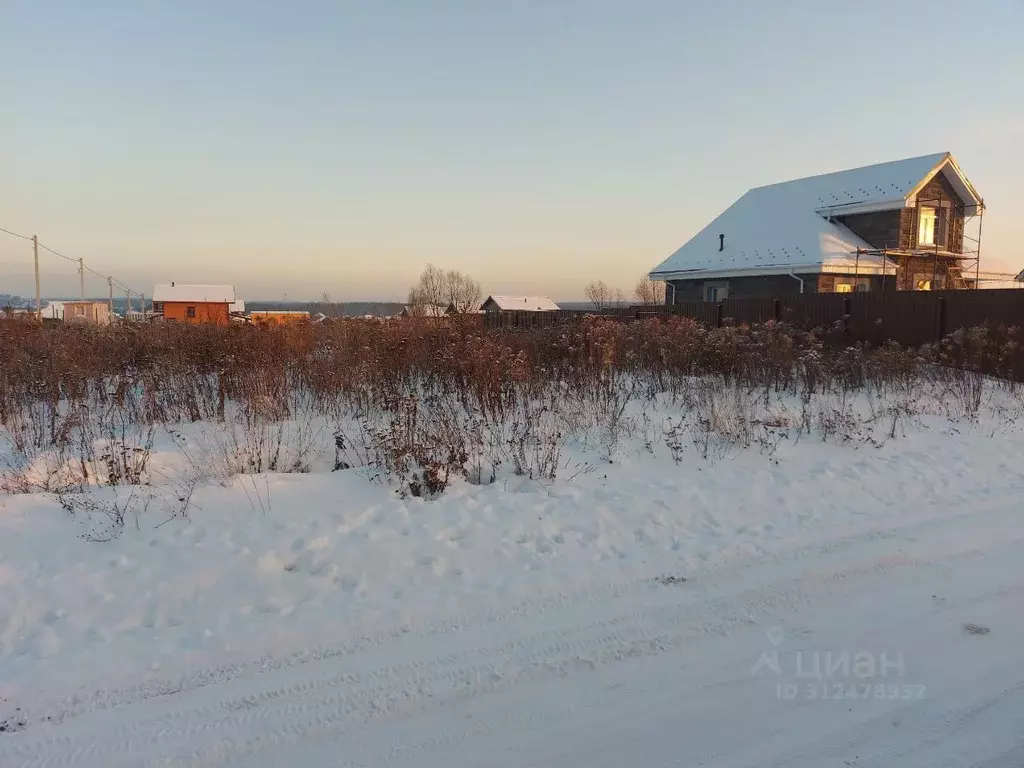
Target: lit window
844	287
926	226
922	282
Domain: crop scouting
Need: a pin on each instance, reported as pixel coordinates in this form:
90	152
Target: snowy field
798	601
427	545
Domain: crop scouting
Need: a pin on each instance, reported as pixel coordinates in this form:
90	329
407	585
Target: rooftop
200	294
787	226
526	303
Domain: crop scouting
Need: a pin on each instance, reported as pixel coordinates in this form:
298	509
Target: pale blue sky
310	146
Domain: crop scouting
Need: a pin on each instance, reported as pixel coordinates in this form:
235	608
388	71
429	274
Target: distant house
278	317
892	226
89	312
451	309
520	303
54	310
138	316
237	308
193	303
994	280
424	310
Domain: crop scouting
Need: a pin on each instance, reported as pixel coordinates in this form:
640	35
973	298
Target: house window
190	311
716	291
922	282
926	225
845	285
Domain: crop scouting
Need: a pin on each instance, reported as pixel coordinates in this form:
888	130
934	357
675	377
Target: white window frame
927	225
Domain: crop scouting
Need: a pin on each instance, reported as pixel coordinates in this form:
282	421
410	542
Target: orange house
193	303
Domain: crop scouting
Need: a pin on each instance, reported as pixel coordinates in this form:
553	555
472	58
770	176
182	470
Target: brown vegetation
423	402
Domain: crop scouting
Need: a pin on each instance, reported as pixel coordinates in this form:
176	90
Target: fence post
777	310
719	311
940	318
847	311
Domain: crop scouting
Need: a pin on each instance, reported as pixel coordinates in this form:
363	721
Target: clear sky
297	147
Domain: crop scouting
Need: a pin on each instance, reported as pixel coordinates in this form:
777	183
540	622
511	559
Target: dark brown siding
880	230
760	286
908	227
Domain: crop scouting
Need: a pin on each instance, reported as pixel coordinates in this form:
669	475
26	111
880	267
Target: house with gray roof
903	225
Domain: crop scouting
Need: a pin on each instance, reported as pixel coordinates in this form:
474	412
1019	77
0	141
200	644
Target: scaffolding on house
953	226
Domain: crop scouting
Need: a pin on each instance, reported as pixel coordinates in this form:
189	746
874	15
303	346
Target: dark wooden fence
910	318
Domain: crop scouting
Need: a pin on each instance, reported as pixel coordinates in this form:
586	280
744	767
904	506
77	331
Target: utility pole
110	300
39	301
128	308
81	278
143	308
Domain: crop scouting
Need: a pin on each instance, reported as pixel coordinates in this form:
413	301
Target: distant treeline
331	308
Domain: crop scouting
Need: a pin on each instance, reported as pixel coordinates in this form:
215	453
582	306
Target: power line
78	262
14	233
55	253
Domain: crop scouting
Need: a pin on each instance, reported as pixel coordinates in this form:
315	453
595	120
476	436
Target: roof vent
721	242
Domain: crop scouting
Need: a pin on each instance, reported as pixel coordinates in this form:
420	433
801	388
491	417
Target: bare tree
437	290
464	292
326	305
429	292
599	294
648	291
620	297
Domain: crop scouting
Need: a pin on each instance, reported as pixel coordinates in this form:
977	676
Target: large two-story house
895	226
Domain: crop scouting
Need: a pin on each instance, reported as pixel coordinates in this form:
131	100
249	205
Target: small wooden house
88	312
518	303
424	310
193	303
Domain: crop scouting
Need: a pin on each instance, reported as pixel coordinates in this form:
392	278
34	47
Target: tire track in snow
83	701
341	700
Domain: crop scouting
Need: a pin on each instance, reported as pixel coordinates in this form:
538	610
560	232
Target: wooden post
81	278
39	301
110	298
977	261
777	310
940	319
719	312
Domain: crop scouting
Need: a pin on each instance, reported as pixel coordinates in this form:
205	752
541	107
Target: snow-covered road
914	632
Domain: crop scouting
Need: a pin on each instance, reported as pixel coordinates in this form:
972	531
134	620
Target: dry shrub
425	402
